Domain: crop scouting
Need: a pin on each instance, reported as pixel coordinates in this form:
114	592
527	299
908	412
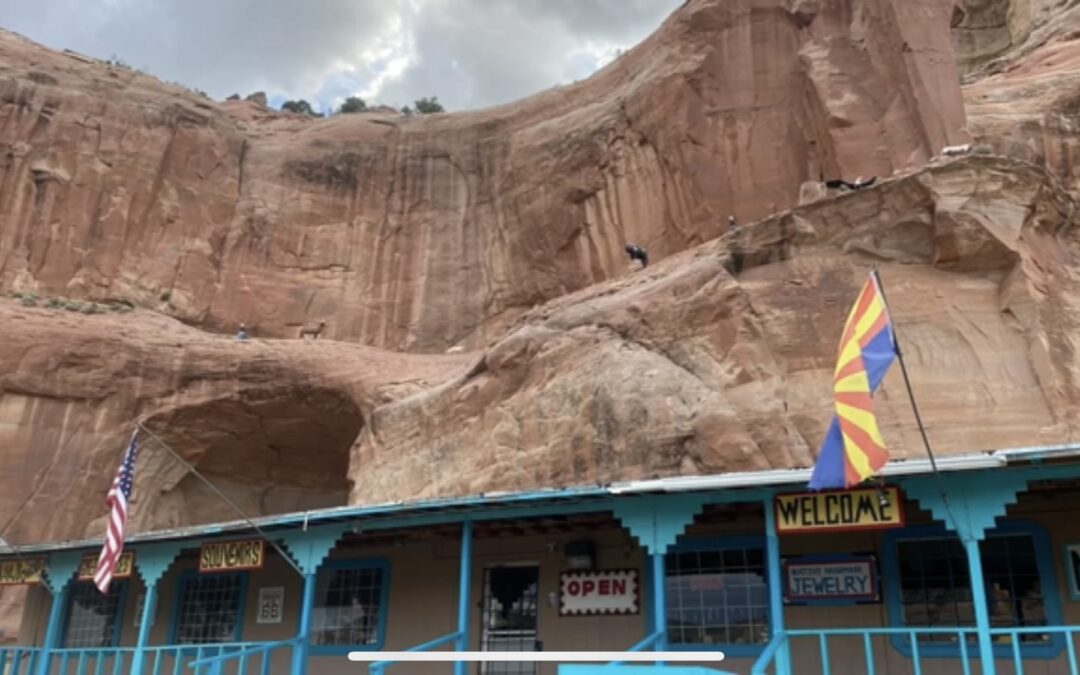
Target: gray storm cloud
469	53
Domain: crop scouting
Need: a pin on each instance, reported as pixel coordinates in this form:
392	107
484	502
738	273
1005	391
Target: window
209	609
350	604
717	595
93	619
932	586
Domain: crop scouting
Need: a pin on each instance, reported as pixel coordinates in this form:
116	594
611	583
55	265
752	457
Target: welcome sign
831	580
839	511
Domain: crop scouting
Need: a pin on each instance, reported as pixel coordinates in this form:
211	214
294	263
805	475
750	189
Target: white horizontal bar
536	657
786	476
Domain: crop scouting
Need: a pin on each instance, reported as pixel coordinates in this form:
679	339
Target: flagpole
221	494
911	397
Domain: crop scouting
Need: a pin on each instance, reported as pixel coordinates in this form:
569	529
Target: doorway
508	616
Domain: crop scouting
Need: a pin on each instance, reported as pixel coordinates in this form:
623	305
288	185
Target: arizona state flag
853	448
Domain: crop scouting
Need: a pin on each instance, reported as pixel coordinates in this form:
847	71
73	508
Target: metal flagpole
224	498
911	397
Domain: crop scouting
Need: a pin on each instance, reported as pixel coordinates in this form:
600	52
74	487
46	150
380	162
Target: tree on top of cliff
429	105
300	107
353	104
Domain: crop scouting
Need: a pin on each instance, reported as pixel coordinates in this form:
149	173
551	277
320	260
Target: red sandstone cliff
503	230
419	233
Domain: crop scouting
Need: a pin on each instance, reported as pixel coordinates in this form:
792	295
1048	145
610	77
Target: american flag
117	501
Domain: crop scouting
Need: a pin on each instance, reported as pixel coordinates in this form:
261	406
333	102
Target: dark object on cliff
637	253
857	185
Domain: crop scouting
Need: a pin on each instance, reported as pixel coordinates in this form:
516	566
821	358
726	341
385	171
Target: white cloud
469	53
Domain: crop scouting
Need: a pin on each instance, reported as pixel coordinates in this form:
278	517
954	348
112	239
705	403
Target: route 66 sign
271	605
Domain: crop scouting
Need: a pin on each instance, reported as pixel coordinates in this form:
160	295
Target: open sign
599	592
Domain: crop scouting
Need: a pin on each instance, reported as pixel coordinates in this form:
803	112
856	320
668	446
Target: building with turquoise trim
975	569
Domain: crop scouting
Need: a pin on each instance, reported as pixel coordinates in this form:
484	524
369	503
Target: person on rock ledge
637	253
242	334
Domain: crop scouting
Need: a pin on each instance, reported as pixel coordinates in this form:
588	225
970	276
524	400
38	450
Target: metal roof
468	504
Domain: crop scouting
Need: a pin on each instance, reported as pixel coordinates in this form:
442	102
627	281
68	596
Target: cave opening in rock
270	452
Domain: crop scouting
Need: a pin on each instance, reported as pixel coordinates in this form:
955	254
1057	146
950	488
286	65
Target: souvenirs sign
598	592
19	572
229	556
839	511
124	566
835	580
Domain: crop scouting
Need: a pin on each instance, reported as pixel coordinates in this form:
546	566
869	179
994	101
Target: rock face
420	233
499	234
719	359
1023	94
272	421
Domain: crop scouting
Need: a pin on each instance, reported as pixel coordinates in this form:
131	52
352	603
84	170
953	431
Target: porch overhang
584	498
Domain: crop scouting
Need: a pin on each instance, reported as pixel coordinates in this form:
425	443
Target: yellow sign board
17	572
124	566
227	556
839	511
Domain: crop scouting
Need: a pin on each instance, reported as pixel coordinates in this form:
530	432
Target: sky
468	53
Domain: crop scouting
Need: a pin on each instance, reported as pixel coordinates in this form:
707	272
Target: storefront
751	565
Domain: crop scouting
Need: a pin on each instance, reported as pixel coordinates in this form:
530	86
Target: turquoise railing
961	635
19	660
378	667
761	666
1017	656
243	656
103	661
159	660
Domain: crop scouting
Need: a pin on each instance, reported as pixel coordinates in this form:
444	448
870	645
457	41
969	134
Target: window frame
69	602
715	543
187	577
1044	563
381	564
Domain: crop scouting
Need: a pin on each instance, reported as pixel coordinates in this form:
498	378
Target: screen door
509	616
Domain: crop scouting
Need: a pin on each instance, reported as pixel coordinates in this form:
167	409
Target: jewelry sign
583	593
830	580
229	556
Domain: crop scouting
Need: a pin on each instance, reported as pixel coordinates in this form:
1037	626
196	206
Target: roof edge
724	481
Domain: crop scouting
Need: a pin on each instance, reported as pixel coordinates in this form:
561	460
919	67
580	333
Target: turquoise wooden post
982	613
52	629
659	602
776	584
59	570
145	621
464	590
308	548
151	562
656	522
300	651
